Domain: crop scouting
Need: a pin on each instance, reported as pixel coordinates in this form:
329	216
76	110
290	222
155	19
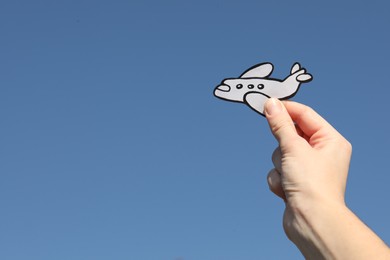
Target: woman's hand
311	167
312	159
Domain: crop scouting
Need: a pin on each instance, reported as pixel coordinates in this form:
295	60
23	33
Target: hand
312	160
310	174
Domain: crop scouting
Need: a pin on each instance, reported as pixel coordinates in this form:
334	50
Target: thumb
280	122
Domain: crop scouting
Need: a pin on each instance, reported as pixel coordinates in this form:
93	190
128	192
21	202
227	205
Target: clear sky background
112	145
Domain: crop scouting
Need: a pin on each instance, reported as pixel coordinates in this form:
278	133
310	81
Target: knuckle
281	125
348	146
344	145
276	155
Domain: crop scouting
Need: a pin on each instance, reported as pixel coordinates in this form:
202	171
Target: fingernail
273	106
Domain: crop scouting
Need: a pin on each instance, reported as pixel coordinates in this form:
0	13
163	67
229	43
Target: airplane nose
224	88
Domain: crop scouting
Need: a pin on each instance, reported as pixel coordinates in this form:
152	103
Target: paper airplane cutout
254	87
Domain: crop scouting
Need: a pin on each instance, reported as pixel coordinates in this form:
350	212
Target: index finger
309	121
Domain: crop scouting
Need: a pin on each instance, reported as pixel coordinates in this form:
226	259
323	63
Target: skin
310	175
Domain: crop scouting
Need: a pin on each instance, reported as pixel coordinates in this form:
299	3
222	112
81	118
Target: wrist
329	230
309	224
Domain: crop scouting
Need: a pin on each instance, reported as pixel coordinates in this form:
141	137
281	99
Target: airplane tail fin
301	75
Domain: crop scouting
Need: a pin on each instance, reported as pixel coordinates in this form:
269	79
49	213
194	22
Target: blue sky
113	146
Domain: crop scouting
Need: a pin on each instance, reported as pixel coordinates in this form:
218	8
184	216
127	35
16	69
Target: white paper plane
254	86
